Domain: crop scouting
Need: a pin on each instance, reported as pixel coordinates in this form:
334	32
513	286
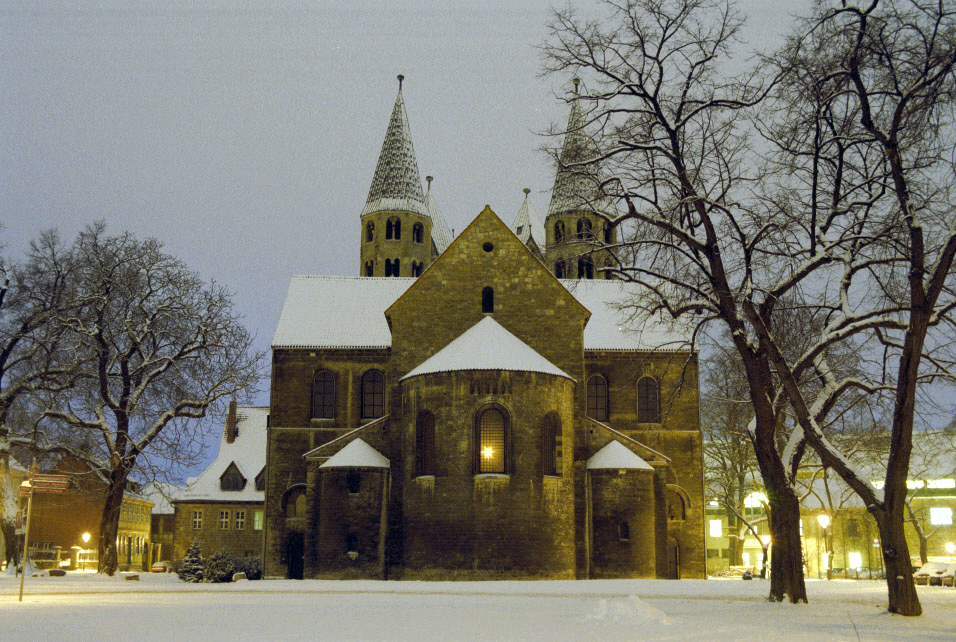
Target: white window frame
240	520
224	520
197	520
257	520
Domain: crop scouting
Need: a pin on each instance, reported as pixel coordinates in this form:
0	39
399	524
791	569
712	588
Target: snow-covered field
87	607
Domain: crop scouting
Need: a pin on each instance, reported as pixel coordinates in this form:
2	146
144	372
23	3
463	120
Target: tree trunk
786	557
109	525
899	571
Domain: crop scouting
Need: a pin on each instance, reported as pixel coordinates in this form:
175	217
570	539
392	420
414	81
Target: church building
463	409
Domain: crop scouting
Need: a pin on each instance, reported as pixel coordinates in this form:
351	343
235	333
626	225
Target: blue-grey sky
244	135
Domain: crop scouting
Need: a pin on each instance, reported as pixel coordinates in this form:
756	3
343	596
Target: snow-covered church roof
396	185
616	455
487	346
247	452
349	312
527	225
358	454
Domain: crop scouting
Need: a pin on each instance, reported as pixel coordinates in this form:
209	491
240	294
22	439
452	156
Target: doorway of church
295	547
673	559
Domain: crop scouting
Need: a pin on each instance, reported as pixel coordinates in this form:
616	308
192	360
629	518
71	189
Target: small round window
487	247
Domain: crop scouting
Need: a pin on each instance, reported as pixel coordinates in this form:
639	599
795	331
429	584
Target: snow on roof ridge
487	346
617	455
357	454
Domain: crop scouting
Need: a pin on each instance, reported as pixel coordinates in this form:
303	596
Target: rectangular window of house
223	520
240	520
197	520
354	482
257	520
716	528
941	516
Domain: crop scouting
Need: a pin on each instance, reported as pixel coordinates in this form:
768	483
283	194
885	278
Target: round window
487	247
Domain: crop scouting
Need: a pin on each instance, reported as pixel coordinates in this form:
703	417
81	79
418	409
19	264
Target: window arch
369	232
388	267
418	232
585	268
294	504
396	267
393	228
676	504
597	398
584	228
559	231
488	300
559	269
323	395
369	268
648	401
551	445
373	394
491	439
392	267
416	268
425	444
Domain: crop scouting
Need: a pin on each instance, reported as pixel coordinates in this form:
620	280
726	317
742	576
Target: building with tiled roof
458	412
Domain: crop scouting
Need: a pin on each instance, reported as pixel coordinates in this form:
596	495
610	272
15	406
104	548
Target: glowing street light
824	520
950	548
85	537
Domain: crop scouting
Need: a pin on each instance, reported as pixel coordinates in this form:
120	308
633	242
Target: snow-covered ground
88	607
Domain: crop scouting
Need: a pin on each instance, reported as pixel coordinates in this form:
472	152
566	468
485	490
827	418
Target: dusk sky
244	137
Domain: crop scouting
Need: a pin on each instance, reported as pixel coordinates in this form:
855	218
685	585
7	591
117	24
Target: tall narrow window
369	232
559	269
675	506
584	229
418	232
608	236
491	442
396	267
351	542
393	228
597	398
353	480
416	268
388	267
624	531
373	394
488	300
648	401
551	445
323	395
558	232
369	268
197	520
240	520
425	444
585	268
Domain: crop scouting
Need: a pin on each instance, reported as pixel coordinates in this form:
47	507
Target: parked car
929	573
161	567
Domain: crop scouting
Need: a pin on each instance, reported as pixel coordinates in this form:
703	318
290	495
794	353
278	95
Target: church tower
576	228
396	226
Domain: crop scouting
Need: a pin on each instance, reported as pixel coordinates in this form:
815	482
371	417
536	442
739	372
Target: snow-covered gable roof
247	452
616	455
349	312
441	234
358	454
396	185
161	494
527	225
487	346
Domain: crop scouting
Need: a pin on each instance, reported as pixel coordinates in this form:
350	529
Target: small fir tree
220	567
191	570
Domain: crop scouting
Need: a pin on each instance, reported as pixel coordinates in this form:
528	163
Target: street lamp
85	537
824	521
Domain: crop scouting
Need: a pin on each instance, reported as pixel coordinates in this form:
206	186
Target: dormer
232	479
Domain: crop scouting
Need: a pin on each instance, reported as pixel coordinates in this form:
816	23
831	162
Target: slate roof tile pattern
441	233
576	187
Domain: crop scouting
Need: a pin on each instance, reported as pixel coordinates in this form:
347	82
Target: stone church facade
458	412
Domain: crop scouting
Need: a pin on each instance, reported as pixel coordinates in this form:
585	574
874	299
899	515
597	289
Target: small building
222	508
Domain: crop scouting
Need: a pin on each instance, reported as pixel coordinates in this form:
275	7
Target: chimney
231	429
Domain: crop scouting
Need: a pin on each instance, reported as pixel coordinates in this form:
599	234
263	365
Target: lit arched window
373	394
369	265
491	454
585	268
559	269
425	444
648	401
551	445
487	300
597	398
584	228
369	232
418	232
393	228
323	395
558	232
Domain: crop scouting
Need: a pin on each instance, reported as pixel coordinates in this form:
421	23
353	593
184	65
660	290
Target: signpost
37	483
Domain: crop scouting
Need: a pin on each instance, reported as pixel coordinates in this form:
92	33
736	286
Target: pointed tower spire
527	226
396	185
575	187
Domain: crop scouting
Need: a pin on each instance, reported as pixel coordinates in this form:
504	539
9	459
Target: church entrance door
673	559
295	545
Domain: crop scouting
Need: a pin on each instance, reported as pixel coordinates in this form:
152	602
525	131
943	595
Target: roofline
662	458
563	375
312	453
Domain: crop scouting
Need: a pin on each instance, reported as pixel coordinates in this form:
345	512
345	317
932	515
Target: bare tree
154	349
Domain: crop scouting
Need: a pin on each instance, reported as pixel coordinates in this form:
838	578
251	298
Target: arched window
551	445
396	267
418	232
488	300
676	509
558	231
417	267
584	229
607	234
353	481
597	398
323	395
425	444
369	268
373	394
351	542
624	531
585	268
388	267
648	401
369	232
559	269
491	454
392	267
294	505
393	228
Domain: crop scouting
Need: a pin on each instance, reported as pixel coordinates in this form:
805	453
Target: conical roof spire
396	185
576	187
527	225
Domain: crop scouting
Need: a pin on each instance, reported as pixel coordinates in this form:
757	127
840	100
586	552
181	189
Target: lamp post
765	541
824	520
